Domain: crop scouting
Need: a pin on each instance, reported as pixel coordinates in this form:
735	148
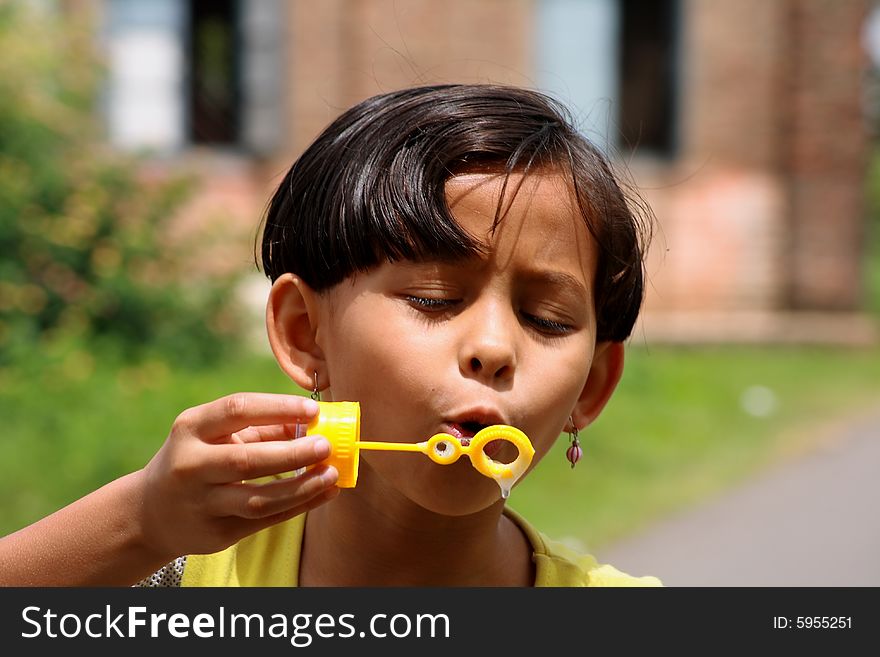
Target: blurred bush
86	258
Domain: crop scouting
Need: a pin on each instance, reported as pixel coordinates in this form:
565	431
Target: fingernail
322	448
310	406
329	476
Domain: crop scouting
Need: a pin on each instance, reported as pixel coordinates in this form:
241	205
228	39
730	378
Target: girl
451	257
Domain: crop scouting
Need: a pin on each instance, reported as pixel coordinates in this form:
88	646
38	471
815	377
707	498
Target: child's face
452	346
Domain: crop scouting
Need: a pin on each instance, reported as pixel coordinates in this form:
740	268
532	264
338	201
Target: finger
324	497
233	462
236	528
255	501
232	413
271	432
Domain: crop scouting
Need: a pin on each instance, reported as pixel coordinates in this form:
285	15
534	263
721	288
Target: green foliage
85	235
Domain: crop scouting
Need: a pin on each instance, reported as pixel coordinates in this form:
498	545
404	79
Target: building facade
742	123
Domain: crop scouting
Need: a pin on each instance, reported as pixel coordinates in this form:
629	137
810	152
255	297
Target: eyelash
557	328
539	323
430	303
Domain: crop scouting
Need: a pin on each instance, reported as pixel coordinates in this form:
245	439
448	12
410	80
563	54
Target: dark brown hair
371	188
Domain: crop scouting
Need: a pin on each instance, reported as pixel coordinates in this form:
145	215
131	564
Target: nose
488	345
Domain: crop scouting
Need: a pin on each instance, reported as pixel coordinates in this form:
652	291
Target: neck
371	537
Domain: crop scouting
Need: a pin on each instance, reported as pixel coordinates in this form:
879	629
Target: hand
197	497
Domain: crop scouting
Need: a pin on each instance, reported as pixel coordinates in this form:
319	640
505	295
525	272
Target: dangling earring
574	451
316	395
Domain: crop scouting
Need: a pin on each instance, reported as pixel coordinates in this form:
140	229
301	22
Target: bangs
371	188
399	211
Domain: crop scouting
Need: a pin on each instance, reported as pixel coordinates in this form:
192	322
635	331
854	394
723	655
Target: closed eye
438	305
548	325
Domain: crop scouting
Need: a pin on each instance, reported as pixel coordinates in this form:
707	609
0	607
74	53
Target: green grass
674	433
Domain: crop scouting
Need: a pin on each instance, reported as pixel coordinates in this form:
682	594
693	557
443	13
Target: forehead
538	220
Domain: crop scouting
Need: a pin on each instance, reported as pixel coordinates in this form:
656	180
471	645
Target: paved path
814	521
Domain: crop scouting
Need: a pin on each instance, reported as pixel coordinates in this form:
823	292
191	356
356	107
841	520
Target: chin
454	496
447	490
455	508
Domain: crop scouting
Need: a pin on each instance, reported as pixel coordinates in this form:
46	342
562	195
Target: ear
292	324
605	373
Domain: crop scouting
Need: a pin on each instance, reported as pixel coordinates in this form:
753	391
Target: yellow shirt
271	558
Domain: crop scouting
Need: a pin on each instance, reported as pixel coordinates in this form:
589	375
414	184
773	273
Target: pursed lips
464	431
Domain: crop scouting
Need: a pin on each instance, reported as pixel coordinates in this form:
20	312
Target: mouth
464	431
466	427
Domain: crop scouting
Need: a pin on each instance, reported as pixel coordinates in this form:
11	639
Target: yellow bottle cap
340	424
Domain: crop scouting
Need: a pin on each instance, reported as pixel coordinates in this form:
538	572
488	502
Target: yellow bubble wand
340	422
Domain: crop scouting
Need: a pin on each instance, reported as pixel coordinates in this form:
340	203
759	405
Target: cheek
371	358
553	398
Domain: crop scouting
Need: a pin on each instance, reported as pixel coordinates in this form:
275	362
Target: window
195	72
213	79
648	53
576	62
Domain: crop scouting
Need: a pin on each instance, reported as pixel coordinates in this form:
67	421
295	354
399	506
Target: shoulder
565	566
557	564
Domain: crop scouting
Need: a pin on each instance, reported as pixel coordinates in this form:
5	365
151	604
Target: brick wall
342	51
828	137
762	210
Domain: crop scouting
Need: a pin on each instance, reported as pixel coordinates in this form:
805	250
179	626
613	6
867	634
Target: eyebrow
559	279
549	277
